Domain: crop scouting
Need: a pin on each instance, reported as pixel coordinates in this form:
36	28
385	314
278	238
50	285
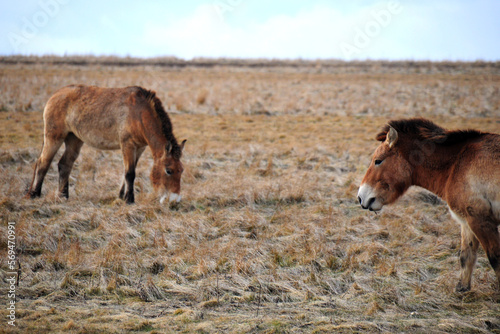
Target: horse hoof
32	194
461	288
129	199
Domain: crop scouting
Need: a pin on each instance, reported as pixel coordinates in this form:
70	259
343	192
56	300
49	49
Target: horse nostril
359	199
370	202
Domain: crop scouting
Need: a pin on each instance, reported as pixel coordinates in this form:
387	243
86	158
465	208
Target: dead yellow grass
269	237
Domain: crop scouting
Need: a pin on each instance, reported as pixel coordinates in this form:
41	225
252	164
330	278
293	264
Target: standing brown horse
129	119
462	167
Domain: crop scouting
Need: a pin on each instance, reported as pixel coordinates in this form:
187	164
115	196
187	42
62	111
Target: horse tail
35	168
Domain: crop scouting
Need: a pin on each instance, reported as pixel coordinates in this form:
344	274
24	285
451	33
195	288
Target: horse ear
182	144
392	137
168	147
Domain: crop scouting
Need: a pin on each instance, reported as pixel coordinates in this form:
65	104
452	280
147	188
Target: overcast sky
356	29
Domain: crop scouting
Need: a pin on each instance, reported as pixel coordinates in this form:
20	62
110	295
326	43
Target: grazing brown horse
129	119
462	167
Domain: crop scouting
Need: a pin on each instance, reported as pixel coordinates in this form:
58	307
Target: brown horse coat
462	167
129	119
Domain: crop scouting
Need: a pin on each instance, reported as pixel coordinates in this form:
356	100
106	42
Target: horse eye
378	162
169	171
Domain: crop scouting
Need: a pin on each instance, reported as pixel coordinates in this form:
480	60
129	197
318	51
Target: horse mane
166	124
426	130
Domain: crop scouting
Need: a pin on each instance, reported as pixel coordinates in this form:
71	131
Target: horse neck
157	151
154	136
433	167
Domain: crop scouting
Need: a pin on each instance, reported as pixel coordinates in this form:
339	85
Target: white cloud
314	33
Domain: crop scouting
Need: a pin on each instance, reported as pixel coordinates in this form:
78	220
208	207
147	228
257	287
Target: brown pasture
269	236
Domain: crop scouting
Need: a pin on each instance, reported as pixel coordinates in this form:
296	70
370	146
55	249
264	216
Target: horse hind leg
468	257
486	231
49	150
65	165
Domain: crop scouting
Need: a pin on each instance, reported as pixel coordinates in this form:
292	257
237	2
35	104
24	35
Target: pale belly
98	132
100	142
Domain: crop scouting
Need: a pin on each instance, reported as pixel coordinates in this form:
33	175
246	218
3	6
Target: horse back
100	117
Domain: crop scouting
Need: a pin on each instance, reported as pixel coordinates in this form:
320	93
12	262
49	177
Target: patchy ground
269	237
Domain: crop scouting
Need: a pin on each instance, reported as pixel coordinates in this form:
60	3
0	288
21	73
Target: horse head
389	173
167	172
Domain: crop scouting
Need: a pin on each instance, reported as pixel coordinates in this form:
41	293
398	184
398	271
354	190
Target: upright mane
166	125
425	130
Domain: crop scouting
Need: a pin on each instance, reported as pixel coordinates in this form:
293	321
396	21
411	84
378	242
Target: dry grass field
269	237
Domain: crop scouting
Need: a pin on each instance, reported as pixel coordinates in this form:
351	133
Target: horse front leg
131	155
138	153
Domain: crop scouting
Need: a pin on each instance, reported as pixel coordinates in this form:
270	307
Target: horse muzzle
172	197
368	199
